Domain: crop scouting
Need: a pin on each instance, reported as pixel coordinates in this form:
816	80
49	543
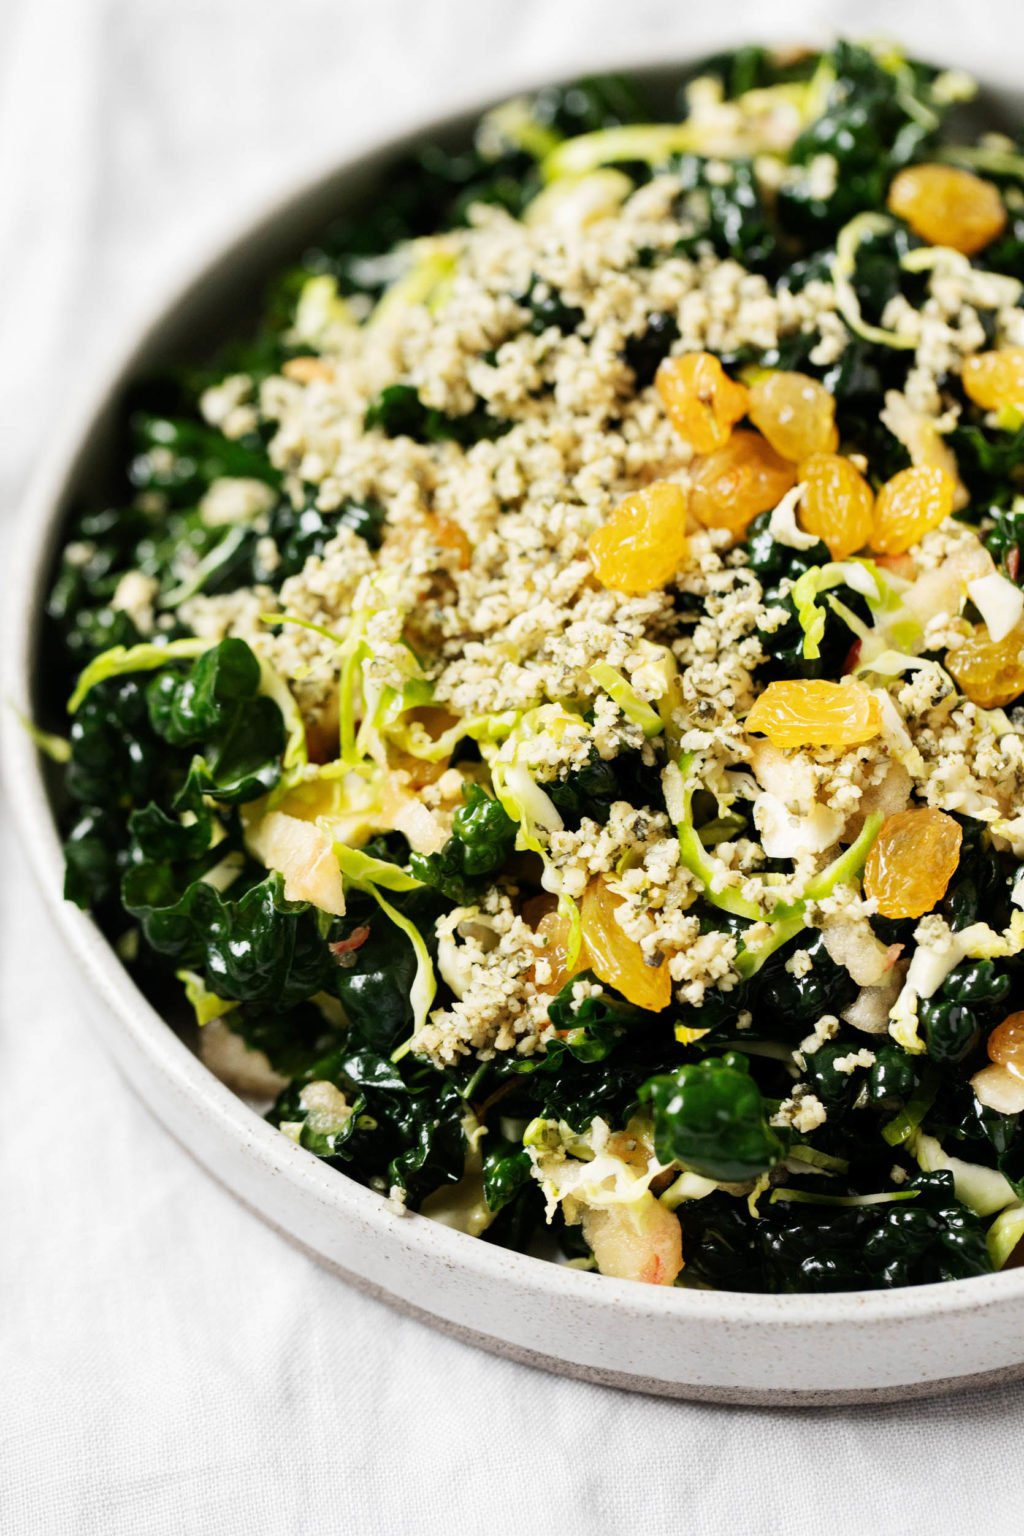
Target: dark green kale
258	948
871	128
835	1089
117	762
791	1004
592	789
148	752
398	411
990	461
911	1242
549	310
893	1079
710	1116
482	840
1005	539
727	211
179	458
291	1040
406	1126
968	1129
590	104
878	276
506	1170
806	1247
952	1018
773	562
645	352
608	1088
217	710
981	889
95	853
303	532
99	550
373	982
755	68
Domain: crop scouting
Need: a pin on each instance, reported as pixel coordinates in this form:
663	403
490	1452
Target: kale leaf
709	1115
374	984
646	351
952	1018
406	1128
727	210
483	836
398	411
593	788
791	1004
870	128
259	948
506	1170
218	709
808	1247
117	762
179	458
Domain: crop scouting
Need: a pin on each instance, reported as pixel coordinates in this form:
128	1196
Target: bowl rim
40	511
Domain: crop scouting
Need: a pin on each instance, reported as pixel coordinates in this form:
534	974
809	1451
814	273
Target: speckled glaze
782	1350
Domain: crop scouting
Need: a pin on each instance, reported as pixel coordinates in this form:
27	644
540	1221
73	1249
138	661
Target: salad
548	701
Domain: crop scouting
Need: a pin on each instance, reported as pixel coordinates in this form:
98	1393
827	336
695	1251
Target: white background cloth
166	1363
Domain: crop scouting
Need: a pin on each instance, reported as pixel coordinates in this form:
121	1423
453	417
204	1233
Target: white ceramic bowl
720	1346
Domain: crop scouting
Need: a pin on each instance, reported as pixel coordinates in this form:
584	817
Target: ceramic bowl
682	1343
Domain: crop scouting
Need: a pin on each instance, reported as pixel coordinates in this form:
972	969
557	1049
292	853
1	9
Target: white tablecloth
166	1363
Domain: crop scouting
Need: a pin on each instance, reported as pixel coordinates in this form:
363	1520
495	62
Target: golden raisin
989	672
420	771
837	505
1006	1044
909	506
911	862
643	543
617	959
813	713
449	535
736	483
996	379
443	533
553	931
947	206
701	401
795	413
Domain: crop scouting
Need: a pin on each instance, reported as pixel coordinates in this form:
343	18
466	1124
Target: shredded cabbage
1005	1233
860	575
982	1190
576	1169
120	660
573	202
633	707
849	240
56	748
319	310
514	124
426	281
372	876
206	1005
787	921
